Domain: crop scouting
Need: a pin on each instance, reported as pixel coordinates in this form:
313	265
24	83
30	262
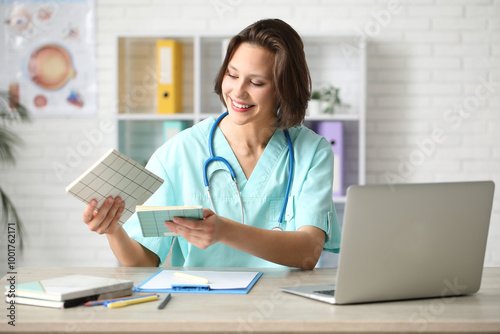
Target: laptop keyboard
326	292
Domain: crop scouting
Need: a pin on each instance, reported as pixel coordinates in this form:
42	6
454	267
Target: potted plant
316	105
325	101
11	111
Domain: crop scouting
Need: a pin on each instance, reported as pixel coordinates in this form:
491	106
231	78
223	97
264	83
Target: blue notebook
222	282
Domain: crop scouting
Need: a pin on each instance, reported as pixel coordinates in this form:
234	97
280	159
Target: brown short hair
291	74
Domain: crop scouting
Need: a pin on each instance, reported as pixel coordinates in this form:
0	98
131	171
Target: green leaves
11	111
10	217
330	95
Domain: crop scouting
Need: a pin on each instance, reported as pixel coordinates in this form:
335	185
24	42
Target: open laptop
407	241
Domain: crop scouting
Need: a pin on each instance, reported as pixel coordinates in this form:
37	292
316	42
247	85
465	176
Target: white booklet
115	174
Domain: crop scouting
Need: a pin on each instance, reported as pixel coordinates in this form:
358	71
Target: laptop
408	241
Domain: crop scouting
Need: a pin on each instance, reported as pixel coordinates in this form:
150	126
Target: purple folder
333	132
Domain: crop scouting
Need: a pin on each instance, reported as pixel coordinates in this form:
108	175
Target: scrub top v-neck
180	163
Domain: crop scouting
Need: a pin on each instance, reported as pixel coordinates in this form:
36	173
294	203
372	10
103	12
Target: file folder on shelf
169	76
333	132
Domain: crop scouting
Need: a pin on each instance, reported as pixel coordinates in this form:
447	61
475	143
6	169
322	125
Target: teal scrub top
180	163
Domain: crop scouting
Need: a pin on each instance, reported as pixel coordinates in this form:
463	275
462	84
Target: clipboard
220	282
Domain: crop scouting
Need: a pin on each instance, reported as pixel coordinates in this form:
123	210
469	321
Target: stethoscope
233	174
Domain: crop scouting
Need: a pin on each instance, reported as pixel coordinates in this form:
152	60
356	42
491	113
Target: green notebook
153	218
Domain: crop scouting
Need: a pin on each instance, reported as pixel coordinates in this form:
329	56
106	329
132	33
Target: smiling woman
281	172
248	88
249	94
289	72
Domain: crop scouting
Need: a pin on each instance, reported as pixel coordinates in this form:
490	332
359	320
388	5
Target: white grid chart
116	175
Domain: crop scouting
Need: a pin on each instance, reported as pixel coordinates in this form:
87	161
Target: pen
164	302
103	301
127	302
193	278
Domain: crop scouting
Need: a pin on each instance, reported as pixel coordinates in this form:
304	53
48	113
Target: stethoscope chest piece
276	228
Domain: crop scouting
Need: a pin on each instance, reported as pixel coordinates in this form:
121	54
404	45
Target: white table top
265	309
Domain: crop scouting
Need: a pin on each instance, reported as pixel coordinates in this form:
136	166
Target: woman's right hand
106	219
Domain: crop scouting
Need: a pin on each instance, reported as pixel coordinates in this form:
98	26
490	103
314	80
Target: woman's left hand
201	233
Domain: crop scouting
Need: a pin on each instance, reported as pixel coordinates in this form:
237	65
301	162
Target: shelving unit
333	59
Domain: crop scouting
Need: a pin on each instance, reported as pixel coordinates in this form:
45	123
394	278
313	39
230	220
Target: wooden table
264	310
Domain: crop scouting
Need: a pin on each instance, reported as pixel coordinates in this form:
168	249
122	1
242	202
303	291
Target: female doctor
278	209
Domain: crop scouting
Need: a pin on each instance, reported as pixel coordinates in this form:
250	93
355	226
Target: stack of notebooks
68	291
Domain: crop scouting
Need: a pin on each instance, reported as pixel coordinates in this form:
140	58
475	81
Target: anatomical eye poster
49	52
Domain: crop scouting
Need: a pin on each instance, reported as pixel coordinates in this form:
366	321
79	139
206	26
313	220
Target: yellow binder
169	76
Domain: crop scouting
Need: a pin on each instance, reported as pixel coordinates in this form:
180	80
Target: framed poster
50	55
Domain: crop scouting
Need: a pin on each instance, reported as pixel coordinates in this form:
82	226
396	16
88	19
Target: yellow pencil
123	303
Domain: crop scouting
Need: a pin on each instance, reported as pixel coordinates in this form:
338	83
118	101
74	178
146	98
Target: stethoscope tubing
213	157
290	176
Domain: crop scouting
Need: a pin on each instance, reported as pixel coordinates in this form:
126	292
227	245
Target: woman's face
248	86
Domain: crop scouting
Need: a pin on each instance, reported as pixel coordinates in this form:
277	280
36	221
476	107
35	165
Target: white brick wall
424	58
